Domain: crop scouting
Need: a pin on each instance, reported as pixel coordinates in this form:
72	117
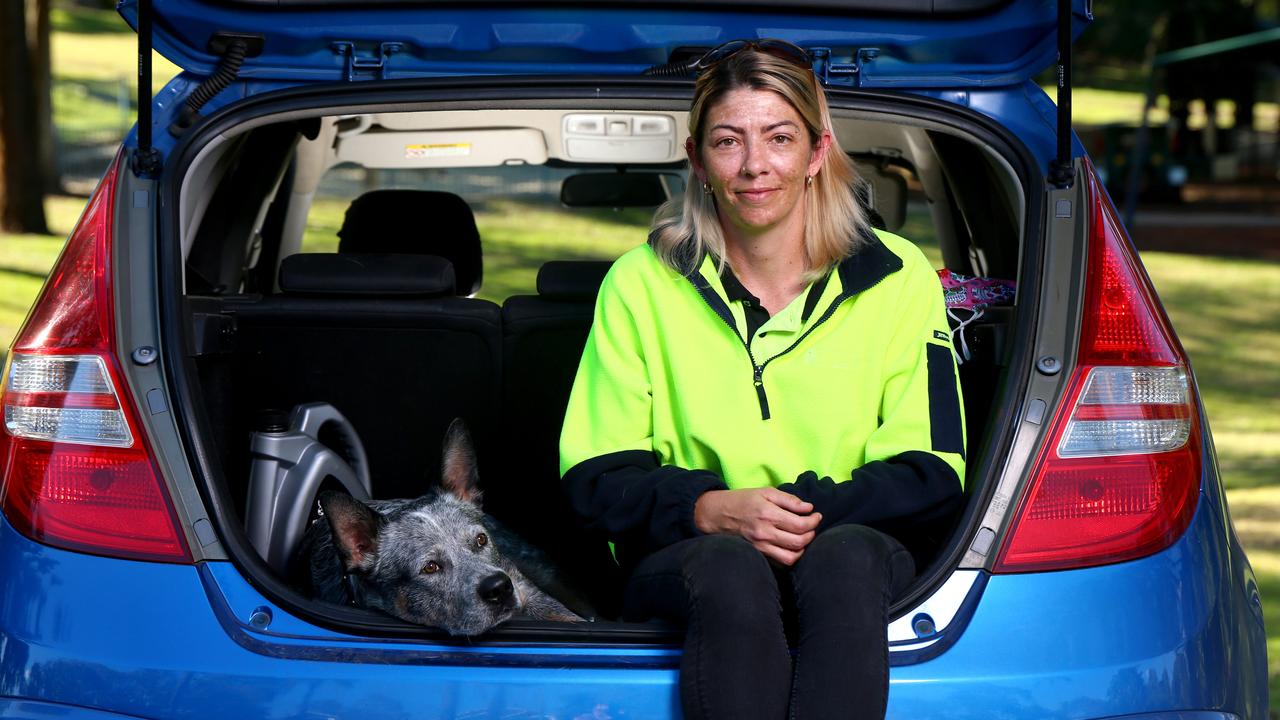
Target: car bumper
1167	634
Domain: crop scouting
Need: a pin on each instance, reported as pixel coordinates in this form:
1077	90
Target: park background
1207	216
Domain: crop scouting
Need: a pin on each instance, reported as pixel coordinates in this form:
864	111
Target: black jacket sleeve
627	497
911	487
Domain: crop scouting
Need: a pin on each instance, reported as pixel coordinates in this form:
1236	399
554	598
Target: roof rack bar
1061	171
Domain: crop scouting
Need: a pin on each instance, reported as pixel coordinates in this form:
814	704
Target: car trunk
400	368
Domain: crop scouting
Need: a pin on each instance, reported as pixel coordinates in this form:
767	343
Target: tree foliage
1113	50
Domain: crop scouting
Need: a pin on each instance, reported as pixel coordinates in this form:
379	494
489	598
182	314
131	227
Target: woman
768	390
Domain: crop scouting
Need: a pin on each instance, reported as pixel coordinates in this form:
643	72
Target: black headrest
572	279
417	222
361	275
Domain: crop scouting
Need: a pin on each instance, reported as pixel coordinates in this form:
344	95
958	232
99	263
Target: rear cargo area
295	233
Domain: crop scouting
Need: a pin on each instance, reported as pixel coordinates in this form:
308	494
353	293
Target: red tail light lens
1119	474
75	469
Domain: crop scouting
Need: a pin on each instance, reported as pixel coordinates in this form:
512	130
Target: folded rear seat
542	340
383	338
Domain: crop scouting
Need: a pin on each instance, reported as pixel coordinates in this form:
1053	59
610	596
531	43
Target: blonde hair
834	222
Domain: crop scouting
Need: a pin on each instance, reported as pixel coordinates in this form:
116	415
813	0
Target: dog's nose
496	590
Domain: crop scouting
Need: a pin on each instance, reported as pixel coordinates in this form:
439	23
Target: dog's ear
355	528
458	464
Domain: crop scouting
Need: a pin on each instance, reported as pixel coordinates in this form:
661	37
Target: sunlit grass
105	57
1255	512
26	259
95	70
90	107
1227	314
1090	106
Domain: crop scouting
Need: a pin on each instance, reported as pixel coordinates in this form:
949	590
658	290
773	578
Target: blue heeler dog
438	560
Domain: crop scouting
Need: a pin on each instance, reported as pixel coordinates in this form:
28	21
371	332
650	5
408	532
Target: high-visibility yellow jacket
848	398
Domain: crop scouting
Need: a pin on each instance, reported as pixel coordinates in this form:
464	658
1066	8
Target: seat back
542	340
383	340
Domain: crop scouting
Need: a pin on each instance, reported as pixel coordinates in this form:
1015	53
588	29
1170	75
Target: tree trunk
21	181
38	37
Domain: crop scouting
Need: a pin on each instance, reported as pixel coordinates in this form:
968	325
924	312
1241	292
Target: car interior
412	267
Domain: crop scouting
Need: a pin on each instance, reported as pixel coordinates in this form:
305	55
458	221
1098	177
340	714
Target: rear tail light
64	398
75	470
1129	411
1119	474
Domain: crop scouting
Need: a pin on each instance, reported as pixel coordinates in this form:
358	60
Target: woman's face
756	154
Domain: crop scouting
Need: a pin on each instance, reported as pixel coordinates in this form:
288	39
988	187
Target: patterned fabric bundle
967	298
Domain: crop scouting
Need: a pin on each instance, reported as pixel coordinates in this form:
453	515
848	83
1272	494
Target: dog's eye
431	568
482	540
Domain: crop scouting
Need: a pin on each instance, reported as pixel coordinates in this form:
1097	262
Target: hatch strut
145	162
1061	171
232	48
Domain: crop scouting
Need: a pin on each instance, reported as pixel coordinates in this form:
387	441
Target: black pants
737	664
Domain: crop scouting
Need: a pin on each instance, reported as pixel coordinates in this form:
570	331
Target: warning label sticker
438	150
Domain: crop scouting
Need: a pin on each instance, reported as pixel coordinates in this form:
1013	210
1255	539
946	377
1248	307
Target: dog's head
428	561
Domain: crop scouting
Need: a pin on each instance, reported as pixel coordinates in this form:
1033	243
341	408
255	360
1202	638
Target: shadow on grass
86	89
18	306
1242	469
1227	347
1226	314
35	274
87	21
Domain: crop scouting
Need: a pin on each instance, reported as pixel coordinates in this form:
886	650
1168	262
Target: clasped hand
778	524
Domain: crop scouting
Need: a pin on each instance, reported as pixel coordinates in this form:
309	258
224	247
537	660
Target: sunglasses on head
780	49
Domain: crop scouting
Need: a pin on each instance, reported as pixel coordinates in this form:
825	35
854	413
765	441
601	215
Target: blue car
206	357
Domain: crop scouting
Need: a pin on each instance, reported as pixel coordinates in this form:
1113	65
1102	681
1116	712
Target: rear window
522	222
518	213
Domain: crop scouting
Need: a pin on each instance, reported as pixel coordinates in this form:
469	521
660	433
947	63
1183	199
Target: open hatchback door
861	43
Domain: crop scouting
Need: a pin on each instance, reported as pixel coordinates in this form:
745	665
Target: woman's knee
726	574
858	553
725	559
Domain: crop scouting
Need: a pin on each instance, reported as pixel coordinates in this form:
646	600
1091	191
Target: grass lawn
97	44
95	72
1091	106
26	259
1255	512
1227	314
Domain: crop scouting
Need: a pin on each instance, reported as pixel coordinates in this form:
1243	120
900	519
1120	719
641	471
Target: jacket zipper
758	368
759	381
